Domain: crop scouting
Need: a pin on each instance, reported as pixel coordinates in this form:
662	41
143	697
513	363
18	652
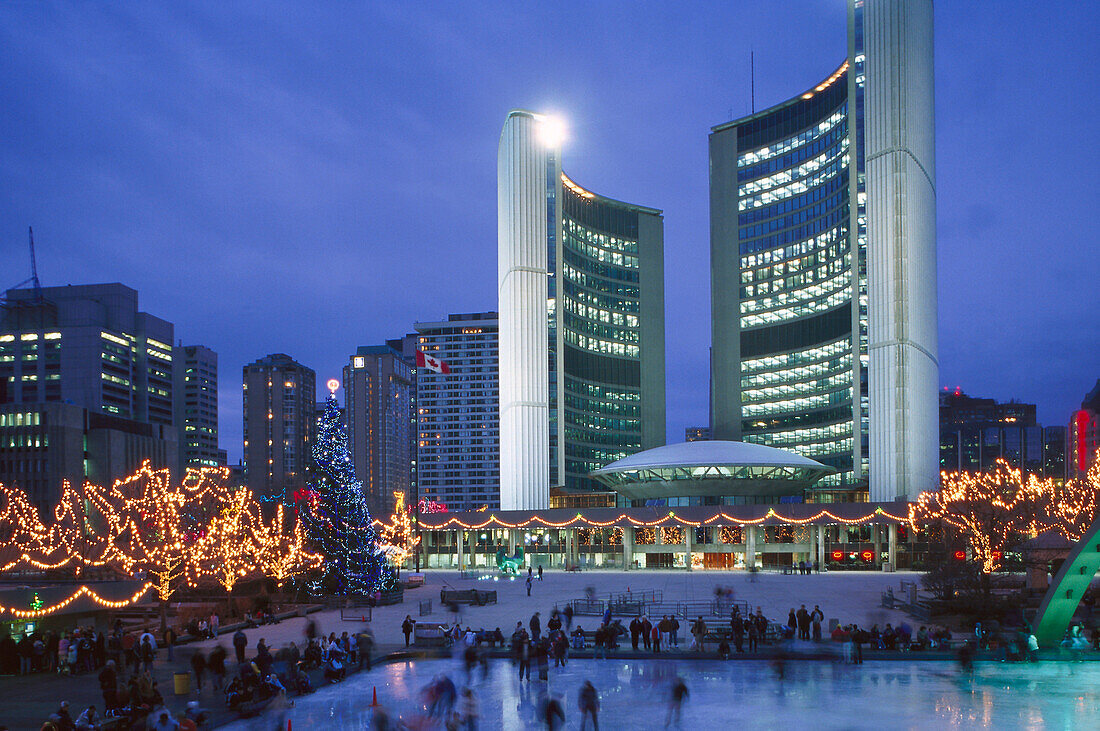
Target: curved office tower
798	288
581	288
901	248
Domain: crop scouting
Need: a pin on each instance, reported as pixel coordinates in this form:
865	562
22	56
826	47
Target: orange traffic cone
374	702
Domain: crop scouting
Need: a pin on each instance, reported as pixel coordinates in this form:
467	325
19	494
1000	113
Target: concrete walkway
846	596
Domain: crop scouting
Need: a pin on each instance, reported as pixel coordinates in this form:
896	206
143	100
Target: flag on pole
423	360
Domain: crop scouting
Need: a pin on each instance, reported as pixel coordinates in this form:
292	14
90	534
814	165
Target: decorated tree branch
398	539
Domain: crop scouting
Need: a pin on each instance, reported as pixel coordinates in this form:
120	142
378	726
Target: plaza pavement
846	596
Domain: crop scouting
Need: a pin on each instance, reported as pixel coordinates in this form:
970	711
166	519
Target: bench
412	581
475	597
575	568
431	635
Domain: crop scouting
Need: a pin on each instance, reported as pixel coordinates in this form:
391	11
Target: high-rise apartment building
458	413
196	406
582	352
378	392
88	387
279	400
823	264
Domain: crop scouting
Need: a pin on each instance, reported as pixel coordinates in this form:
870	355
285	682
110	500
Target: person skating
588	703
676	701
198	667
553	715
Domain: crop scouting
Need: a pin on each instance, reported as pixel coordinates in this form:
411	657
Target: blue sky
309	177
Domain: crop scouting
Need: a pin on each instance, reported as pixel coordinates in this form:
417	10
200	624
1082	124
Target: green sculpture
510	565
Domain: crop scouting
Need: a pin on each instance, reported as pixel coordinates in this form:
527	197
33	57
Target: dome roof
712	468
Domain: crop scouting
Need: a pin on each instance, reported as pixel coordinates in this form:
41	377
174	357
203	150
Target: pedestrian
536	626
803	618
676	701
108	685
169	641
240	641
568	613
407	627
588	703
699	633
198	667
816	618
540	572
365	642
216	665
529	580
215	621
148	654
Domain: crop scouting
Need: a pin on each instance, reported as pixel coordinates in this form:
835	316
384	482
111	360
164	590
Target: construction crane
33	279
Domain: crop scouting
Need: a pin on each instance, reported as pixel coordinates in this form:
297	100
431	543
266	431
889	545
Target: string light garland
42	611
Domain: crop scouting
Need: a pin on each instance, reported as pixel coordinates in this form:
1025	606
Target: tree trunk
163	615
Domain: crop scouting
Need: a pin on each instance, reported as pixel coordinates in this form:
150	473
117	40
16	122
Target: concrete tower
900	157
524	205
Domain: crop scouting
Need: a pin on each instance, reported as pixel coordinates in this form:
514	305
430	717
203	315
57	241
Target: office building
976	432
697	434
196	406
1084	434
279	401
458	413
378	388
823	265
581	288
88	388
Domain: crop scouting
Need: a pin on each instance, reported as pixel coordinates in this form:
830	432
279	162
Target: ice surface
813	696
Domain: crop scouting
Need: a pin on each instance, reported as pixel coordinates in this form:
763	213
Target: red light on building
1081	429
838	555
960	555
868	556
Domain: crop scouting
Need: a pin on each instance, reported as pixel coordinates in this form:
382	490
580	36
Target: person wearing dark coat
635	631
240	641
647	632
536	626
9	656
108	685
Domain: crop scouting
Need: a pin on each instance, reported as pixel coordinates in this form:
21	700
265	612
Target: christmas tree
337	519
398	540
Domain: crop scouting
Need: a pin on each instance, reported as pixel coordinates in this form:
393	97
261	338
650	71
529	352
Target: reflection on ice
639	695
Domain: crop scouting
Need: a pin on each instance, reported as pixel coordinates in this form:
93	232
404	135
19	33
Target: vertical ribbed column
522	291
903	372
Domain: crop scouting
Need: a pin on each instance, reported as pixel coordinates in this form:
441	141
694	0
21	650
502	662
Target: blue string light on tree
337	518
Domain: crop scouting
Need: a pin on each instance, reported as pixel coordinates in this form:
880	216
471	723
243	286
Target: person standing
635	632
816	618
699	632
108	685
169	641
674	631
240	642
540	572
655	637
536	626
647	633
214	624
407	627
737	626
529	580
588	703
803	618
522	649
148	654
568	613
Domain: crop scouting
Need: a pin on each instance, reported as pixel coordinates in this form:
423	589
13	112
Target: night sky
280	177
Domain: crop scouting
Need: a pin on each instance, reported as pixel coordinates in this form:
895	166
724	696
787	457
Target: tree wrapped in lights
398	541
989	510
229	548
1072	505
337	519
283	553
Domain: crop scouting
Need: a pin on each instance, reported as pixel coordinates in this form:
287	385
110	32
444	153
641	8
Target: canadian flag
423	360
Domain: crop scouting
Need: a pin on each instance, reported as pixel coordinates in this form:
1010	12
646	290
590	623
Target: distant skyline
307	179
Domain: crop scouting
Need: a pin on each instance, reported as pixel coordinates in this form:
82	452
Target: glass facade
598	313
793	195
